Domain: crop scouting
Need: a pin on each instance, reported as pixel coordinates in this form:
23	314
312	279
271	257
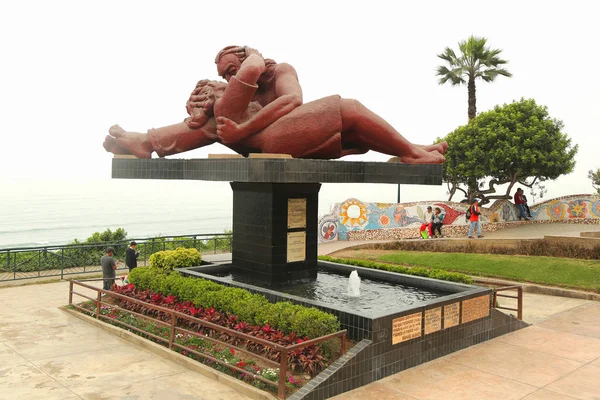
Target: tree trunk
472	98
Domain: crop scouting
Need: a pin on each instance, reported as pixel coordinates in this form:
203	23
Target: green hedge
167	260
252	308
418	271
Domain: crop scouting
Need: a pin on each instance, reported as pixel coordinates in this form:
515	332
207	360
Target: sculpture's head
230	58
212	90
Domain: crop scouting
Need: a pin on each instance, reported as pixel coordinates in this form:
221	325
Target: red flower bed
309	359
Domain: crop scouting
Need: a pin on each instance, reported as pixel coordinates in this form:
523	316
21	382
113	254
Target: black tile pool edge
379	352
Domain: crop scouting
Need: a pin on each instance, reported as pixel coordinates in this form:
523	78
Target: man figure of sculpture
330	127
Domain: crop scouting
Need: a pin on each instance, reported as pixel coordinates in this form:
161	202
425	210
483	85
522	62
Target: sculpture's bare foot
134	143
439	147
420	157
110	145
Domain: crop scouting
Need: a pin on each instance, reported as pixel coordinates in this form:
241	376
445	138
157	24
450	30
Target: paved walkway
555	359
47	354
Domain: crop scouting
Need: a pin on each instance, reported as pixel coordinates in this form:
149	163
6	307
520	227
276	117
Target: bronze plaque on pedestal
475	308
433	320
296	213
406	328
296	246
451	315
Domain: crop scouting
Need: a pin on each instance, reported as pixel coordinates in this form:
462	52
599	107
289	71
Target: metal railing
518	297
60	260
174	329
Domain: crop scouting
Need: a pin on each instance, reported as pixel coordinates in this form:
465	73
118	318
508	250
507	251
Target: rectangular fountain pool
407	320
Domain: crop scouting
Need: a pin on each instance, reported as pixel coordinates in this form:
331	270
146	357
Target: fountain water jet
354	284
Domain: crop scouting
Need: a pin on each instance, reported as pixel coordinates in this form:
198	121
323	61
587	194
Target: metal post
98	304
8	260
282	374
39	262
215	248
62	263
398	193
520	303
172	335
70	292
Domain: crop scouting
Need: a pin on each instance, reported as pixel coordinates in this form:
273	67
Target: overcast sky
71	69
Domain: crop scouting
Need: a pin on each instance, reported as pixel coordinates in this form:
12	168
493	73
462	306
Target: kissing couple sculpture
260	110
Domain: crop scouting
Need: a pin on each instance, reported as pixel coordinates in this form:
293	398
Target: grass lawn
564	272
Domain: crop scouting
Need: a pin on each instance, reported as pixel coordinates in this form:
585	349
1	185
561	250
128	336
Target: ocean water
36	212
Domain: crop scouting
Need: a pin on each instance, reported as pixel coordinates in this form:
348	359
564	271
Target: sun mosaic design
353	213
556	210
577	209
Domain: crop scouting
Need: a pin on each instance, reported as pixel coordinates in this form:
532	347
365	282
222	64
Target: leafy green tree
595	177
516	142
107	236
476	60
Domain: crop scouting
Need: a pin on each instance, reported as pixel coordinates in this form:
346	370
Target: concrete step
595	234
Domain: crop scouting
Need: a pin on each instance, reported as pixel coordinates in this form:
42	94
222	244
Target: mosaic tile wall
356	220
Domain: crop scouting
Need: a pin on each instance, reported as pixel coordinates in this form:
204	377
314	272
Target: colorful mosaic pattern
556	209
355	215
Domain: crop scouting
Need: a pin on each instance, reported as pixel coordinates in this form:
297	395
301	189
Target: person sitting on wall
527	209
426	226
520	203
438	221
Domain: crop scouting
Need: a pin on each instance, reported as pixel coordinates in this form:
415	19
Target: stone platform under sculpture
275	202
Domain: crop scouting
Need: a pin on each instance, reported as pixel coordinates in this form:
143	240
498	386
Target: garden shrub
530	247
417	271
253	308
181	257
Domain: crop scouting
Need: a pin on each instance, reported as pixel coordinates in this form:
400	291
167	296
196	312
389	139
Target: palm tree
476	61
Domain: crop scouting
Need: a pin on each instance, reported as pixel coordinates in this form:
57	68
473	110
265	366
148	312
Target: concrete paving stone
538	307
104	367
562	344
26	382
584	320
8	356
39	342
543	394
513	362
182	386
583	384
374	391
445	380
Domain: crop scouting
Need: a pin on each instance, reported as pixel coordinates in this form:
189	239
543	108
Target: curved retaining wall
357	220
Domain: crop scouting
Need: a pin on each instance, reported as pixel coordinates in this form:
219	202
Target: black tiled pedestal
260	223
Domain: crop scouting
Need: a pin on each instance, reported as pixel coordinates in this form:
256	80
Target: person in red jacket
520	203
475	211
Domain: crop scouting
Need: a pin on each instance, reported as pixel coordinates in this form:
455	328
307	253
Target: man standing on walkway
131	256
109	265
475	210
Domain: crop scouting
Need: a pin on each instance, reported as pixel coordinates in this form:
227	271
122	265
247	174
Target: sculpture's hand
195	101
229	131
